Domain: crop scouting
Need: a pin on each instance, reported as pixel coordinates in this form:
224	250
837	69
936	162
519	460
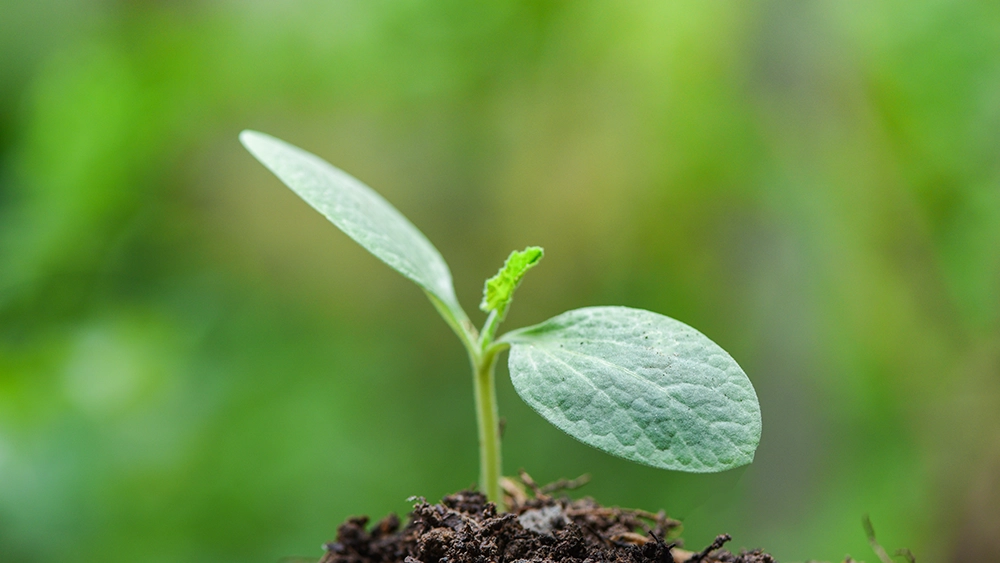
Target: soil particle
464	528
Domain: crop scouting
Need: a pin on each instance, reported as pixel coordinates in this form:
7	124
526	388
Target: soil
541	528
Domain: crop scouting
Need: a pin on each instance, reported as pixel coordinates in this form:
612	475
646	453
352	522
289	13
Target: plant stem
489	330
483	354
489	426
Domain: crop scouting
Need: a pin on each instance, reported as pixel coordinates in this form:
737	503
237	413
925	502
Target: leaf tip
251	139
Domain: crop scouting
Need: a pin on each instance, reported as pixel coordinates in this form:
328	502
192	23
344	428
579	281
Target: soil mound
465	528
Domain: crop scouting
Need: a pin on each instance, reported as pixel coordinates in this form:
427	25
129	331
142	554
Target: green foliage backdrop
195	366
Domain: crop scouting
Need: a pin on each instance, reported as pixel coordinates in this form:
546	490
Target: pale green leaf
499	290
360	212
638	385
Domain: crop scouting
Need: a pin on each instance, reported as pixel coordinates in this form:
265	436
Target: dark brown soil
464	528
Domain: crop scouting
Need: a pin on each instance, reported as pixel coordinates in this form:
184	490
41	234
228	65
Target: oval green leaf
638	385
360	212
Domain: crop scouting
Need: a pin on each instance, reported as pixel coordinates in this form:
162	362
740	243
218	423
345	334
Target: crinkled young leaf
360	212
499	290
638	385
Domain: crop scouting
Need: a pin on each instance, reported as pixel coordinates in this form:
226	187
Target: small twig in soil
566	484
665	524
630	537
716	544
514	490
530	483
876	547
649	515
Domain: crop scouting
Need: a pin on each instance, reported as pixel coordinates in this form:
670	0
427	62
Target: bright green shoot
630	382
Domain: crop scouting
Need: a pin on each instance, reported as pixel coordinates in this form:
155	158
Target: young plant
630	382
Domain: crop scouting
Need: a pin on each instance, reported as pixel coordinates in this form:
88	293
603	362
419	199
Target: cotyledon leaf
360	212
638	385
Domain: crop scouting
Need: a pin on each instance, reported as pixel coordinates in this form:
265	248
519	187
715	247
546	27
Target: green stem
489	427
460	324
489	331
483	354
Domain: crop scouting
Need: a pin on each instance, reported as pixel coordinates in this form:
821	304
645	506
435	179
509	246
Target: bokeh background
195	366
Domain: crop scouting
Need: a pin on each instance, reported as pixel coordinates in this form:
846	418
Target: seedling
630	382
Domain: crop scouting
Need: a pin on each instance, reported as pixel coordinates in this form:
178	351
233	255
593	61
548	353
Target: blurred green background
195	366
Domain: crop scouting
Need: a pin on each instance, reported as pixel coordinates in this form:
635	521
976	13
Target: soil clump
465	528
